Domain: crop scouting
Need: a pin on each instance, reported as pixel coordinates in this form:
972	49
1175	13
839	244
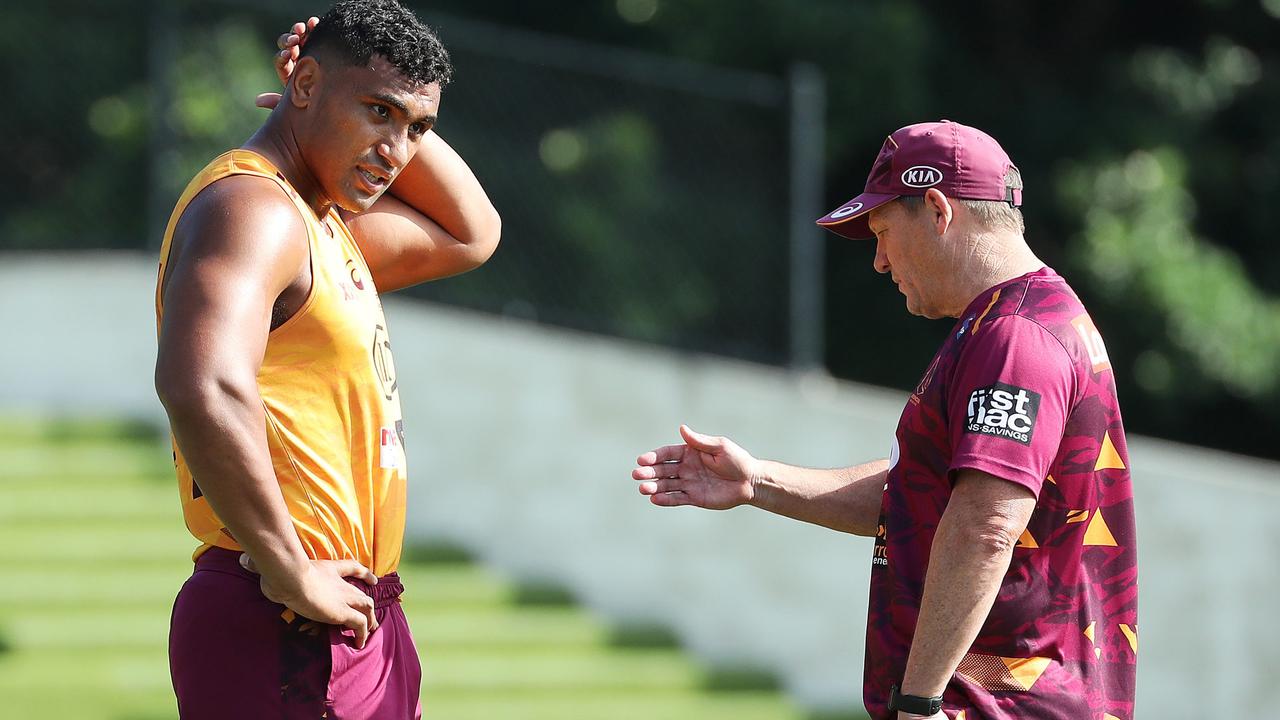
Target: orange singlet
328	388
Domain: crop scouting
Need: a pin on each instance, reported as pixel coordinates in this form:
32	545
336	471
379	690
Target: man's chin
927	313
357	203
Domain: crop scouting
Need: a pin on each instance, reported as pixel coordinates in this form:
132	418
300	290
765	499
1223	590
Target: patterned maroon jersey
1022	389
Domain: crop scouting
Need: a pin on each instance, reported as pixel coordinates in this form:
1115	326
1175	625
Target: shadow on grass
67	429
741	678
437	552
540	593
642	635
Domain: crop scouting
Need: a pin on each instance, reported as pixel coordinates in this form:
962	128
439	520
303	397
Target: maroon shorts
235	654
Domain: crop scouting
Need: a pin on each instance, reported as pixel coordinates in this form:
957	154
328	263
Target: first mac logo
1005	411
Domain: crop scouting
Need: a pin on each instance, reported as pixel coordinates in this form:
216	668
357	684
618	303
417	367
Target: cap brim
850	219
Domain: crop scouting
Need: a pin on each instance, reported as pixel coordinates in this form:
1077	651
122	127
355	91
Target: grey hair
991	214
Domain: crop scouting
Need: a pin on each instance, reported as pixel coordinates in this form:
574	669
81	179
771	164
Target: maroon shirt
1021	389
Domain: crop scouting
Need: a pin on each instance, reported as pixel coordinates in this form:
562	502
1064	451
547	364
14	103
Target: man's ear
304	83
939	209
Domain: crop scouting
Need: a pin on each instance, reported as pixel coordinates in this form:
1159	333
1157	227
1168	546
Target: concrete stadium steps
87	462
55	500
94	551
496	629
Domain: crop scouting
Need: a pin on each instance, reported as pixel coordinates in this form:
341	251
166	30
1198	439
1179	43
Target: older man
1004	571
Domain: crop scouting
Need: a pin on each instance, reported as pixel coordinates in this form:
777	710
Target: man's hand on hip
322	594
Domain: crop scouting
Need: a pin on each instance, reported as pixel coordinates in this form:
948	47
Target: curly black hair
359	29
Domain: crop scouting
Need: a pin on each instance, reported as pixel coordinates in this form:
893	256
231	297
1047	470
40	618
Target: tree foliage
1145	133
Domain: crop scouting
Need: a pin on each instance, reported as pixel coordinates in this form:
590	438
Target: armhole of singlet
311	264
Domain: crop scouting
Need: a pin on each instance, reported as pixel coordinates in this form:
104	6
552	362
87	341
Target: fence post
807	100
163	27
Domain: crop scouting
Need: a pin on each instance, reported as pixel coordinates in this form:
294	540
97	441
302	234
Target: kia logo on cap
846	210
921	176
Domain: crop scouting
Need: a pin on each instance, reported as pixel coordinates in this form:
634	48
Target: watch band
914	704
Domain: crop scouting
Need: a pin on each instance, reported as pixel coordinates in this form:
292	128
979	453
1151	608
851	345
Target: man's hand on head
290	45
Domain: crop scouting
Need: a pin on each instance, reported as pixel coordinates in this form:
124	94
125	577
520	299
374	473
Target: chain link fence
641	196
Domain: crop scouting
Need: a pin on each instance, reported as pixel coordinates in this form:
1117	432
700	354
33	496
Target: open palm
705	471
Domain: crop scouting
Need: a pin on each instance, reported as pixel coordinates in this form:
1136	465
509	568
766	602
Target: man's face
908	250
366	123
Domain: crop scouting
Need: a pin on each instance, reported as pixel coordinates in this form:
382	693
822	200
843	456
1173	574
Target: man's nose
881	262
395	150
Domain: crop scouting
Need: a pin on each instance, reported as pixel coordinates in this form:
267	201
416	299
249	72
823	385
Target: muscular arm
238	252
239	245
967	563
845	499
434	221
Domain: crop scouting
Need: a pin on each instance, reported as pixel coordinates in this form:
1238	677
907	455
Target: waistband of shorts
387	591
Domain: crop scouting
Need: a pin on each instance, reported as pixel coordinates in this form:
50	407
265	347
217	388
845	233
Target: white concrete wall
521	440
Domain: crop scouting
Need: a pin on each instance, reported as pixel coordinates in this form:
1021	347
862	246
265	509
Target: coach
1004	573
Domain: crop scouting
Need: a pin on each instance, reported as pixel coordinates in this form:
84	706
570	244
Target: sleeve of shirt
1009	400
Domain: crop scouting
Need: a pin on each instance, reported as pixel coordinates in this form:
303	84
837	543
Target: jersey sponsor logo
880	552
1093	345
382	364
392	447
921	176
356	279
1001	410
846	211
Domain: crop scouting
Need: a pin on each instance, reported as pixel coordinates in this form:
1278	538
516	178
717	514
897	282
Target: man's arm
716	473
845	499
971	552
238	246
434	221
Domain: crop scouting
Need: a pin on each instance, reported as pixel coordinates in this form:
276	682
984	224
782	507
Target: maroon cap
962	162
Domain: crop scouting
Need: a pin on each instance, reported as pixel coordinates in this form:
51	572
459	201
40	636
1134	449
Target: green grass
93	551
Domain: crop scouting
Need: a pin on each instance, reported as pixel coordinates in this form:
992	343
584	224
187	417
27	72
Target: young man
1004	574
275	368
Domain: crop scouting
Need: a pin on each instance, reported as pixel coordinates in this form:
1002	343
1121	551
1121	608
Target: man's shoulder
1043	310
245	198
241	206
1043	298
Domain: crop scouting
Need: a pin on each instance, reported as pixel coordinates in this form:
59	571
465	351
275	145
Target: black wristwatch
914	704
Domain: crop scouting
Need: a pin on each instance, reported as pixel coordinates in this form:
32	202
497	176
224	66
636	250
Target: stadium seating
92	550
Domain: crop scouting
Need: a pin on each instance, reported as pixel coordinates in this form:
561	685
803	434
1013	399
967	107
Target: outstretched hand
706	471
323	595
290	45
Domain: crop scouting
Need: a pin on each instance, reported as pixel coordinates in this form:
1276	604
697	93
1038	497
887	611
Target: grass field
93	551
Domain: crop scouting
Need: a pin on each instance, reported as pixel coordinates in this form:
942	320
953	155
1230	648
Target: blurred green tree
1145	133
